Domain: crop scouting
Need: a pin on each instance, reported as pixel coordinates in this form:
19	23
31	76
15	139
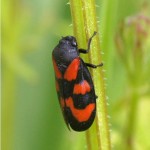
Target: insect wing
81	104
59	88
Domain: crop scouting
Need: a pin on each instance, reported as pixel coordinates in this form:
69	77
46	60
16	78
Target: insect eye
74	43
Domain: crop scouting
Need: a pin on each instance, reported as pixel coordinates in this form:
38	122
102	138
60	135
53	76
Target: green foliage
31	117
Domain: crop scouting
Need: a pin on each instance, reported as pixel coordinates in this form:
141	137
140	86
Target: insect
74	84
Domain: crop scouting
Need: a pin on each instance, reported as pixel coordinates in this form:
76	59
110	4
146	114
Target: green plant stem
7	109
129	132
78	22
85	23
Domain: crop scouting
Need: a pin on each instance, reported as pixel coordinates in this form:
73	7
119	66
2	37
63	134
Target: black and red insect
74	84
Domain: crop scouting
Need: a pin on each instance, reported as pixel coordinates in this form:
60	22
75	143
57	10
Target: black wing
80	103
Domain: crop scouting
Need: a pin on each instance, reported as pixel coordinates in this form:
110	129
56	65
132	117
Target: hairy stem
84	24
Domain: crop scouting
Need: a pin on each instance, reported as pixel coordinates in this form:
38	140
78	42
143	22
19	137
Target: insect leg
94	66
89	43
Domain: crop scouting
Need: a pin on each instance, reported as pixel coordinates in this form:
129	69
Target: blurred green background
31	117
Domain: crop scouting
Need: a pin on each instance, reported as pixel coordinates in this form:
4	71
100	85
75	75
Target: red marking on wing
80	114
82	88
57	71
72	70
57	86
62	102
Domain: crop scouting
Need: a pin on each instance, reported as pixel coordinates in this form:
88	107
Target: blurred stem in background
8	75
133	49
7	108
85	23
13	65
